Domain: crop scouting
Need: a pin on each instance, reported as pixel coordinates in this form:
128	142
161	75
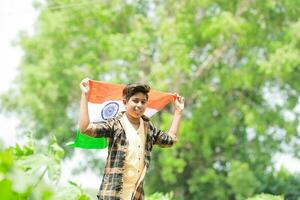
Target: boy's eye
137	101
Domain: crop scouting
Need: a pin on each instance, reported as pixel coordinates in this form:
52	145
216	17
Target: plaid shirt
112	129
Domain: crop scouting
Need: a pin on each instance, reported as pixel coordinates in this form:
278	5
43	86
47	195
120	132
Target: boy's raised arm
178	106
84	119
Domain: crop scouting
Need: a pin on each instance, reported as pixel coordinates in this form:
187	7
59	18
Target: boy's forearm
175	124
83	114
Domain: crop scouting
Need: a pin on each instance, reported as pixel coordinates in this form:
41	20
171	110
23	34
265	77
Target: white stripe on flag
109	109
105	110
150	111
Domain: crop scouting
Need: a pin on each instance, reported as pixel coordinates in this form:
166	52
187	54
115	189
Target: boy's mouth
138	111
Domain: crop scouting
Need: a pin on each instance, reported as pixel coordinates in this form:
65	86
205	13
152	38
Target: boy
131	136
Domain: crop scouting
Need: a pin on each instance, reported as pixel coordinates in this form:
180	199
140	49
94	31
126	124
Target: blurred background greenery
236	62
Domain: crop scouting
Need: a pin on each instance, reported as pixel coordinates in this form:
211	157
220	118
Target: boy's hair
133	88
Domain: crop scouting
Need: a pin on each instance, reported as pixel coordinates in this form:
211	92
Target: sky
17	15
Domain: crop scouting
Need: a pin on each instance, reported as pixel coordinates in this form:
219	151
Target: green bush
160	196
23	172
265	197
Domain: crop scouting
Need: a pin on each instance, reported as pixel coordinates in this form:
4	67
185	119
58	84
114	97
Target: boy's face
136	105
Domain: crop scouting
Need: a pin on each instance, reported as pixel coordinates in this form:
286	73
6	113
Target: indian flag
105	102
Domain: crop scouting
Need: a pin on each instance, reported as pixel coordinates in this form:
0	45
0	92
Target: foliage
160	196
265	197
23	173
242	180
278	182
236	62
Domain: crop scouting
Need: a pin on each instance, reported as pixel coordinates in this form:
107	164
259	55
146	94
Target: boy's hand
179	103
84	85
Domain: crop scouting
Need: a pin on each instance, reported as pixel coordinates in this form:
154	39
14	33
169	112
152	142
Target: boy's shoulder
118	118
120	114
146	119
114	119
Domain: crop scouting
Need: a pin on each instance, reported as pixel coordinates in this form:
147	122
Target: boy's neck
135	121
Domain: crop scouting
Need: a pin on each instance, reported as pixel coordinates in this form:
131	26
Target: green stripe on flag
86	142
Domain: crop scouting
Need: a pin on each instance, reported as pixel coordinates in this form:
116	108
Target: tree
229	59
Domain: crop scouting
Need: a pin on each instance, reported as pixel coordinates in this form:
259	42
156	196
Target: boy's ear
124	101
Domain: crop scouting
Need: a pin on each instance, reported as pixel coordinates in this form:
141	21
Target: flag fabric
105	101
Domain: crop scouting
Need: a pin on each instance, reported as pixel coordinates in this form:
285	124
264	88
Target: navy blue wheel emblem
110	110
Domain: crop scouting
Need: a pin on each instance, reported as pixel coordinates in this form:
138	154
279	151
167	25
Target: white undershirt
134	170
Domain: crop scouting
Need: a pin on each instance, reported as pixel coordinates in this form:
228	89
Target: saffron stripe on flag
102	91
105	101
